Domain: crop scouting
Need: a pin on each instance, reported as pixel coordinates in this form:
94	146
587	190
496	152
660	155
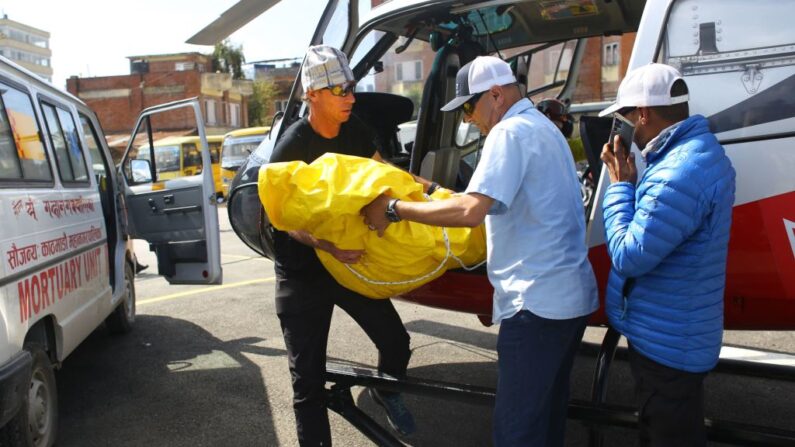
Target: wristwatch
391	212
432	188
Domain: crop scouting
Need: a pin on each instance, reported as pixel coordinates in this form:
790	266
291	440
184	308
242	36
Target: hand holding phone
624	131
620	164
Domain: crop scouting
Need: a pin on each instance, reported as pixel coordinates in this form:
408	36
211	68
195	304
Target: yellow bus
180	157
237	145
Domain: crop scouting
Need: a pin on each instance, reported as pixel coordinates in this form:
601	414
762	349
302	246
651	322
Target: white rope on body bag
447	256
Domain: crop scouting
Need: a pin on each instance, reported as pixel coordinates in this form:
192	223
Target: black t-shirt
301	142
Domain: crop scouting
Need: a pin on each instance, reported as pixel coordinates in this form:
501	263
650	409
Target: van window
65	142
22	154
93	147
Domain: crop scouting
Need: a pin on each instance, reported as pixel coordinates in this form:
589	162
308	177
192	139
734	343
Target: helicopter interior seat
444	164
383	112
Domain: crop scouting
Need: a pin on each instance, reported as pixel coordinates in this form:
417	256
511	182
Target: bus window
167	158
215	152
237	149
191	159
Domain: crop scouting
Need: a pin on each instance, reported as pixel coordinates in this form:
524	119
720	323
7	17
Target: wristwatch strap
391	212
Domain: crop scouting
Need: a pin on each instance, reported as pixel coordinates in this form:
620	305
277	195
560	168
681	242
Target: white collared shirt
537	256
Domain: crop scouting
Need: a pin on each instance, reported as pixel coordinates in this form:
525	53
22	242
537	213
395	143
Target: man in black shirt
305	292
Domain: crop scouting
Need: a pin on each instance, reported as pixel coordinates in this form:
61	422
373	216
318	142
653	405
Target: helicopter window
485	20
547	69
403	73
400	73
466	134
338	26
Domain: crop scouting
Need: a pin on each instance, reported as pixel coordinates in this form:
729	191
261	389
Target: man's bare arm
465	210
346	256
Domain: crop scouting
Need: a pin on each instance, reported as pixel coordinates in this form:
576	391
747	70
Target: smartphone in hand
624	131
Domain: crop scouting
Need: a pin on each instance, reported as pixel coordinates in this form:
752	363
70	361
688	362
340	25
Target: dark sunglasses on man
469	106
342	90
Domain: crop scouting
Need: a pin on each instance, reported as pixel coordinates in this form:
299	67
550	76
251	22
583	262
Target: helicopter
405	54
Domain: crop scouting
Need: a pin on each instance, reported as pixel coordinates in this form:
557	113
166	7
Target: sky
94	37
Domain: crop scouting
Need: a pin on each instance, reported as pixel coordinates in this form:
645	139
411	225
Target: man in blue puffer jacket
668	240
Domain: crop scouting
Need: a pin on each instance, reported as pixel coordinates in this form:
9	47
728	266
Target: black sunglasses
342	90
469	106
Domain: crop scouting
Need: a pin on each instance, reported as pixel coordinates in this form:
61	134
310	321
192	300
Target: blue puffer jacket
669	236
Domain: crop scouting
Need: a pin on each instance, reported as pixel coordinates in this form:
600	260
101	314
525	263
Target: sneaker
397	414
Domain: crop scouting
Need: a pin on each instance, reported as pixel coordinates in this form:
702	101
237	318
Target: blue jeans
535	359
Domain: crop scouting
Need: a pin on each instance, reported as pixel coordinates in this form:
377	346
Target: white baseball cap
647	86
478	76
325	66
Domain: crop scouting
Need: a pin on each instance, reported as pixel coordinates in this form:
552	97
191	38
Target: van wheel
121	320
36	422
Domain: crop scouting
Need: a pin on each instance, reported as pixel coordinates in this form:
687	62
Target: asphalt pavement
206	366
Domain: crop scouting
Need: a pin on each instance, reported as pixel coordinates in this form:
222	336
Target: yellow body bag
325	197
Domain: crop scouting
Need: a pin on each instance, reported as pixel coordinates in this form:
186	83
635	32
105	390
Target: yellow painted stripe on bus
203	290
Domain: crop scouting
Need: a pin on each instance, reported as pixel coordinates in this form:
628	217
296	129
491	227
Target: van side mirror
140	171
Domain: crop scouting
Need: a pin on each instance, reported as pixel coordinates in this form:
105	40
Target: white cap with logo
325	66
478	76
647	86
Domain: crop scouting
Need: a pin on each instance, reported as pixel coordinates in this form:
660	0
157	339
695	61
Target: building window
408	71
611	54
280	105
184	66
210	106
234	115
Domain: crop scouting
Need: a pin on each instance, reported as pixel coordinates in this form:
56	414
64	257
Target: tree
228	58
260	103
414	93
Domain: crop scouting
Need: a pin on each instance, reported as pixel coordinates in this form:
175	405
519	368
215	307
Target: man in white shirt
526	189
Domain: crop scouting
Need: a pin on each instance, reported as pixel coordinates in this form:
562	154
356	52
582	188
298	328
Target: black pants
304	308
671	404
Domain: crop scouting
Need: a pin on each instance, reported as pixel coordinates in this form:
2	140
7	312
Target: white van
65	218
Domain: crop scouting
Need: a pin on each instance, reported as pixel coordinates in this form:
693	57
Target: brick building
157	79
603	66
281	73
405	73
